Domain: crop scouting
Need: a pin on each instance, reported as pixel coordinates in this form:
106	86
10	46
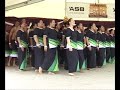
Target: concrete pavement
98	79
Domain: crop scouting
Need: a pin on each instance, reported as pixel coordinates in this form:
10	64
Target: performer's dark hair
90	25
39	21
110	30
33	24
79	24
50	21
75	26
98	26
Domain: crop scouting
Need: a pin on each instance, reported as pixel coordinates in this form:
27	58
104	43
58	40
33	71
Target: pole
98	9
65	7
98	1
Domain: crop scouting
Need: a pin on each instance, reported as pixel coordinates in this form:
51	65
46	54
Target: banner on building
85	10
77	10
98	11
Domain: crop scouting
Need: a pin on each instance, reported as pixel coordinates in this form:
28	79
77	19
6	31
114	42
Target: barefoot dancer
13	43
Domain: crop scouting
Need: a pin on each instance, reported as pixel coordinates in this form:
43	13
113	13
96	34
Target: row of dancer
73	46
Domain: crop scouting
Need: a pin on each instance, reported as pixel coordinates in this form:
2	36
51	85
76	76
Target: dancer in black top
23	46
51	55
80	46
13	43
72	55
91	44
63	45
101	37
32	44
59	49
112	46
86	50
39	52
107	45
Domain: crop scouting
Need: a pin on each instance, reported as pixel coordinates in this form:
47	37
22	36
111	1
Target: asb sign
77	10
